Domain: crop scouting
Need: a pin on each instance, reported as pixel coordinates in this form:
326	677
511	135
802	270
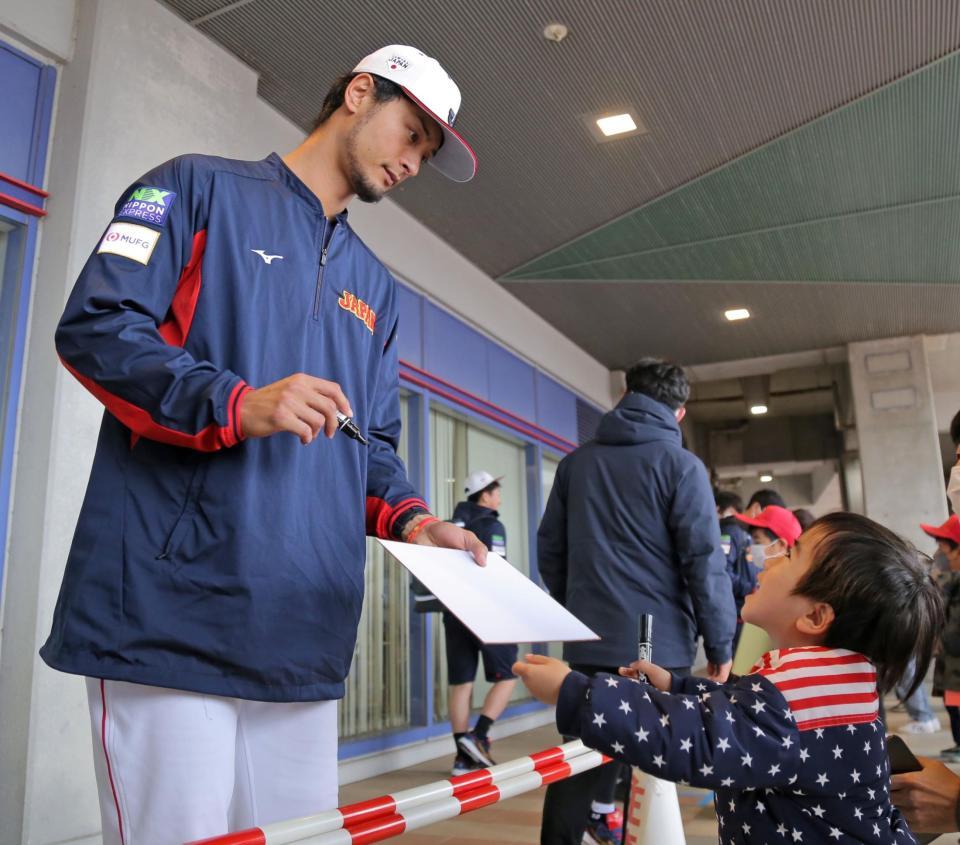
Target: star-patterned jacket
794	750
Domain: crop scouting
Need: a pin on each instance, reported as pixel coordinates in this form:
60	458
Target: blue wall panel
511	382
556	408
18	112
411	326
453	351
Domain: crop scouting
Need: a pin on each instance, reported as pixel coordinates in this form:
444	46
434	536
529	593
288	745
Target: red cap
778	520
950	530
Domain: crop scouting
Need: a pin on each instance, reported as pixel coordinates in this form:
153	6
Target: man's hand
719	672
655	675
446	535
928	798
543	676
301	404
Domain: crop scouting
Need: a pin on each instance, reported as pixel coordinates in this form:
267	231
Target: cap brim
936	532
455	159
752	520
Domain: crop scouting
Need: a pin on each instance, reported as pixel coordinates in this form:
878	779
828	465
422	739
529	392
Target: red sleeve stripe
382	516
210	439
184	305
378	512
401	508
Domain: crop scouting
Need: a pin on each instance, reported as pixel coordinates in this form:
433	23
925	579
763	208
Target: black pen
645	640
349	427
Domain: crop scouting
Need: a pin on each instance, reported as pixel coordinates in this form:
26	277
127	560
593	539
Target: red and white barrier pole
391	814
448	808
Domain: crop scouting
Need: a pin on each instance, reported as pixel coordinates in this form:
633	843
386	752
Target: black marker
349	427
645	640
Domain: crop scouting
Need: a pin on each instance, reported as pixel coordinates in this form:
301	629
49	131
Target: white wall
46	26
115	118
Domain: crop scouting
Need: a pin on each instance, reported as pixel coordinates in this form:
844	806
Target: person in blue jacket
227	318
736	543
477	513
630	528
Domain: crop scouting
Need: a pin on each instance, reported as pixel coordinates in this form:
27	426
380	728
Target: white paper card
497	602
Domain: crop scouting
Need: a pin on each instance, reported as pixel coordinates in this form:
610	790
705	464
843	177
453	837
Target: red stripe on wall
553	441
498	408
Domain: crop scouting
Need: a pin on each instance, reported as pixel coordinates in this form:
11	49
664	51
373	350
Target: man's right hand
929	798
719	672
301	404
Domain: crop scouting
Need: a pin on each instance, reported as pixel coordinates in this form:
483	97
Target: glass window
11	271
378	686
459	446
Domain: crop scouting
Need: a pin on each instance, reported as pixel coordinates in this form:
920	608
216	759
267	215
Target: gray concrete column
897	435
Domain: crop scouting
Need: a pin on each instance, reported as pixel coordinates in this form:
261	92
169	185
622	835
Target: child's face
773	606
952	555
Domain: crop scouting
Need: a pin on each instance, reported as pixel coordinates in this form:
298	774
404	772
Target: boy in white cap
477	514
214	586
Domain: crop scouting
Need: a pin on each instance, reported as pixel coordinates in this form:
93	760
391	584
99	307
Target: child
794	750
946	676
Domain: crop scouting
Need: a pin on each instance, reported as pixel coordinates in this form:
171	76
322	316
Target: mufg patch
148	204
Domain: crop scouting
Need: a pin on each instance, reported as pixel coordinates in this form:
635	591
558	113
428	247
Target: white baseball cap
476	481
425	82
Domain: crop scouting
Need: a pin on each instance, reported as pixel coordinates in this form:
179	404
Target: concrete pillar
897	434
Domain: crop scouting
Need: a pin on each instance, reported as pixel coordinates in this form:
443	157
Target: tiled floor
518	820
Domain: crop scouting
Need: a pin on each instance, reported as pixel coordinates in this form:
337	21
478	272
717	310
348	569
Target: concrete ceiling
800	160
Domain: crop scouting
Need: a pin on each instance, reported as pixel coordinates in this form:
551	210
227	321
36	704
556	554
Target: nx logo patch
148	204
359	308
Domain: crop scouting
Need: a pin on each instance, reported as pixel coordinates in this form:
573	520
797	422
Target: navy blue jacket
735	542
484	522
203	561
790	758
631	527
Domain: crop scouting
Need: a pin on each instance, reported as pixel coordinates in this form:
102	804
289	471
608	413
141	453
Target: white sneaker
925	726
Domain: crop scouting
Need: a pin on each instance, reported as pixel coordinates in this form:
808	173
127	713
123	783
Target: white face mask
953	488
759	553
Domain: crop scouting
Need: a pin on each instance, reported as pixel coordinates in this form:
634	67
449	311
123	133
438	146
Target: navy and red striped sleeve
391	498
126	324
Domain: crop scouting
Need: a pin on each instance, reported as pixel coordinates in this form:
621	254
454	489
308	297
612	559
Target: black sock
482	726
456	737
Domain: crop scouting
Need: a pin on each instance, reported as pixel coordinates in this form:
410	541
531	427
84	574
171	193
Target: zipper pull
323	257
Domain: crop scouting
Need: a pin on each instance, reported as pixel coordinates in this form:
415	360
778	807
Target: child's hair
884	601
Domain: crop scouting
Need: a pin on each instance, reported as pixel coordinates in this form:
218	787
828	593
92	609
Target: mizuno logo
154	195
267	259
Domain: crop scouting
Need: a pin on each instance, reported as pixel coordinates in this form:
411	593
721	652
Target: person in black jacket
630	527
479	515
735	542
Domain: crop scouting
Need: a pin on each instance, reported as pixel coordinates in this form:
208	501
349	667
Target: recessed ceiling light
616	124
766	478
737	314
757	410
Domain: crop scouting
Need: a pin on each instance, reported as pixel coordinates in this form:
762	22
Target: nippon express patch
148	204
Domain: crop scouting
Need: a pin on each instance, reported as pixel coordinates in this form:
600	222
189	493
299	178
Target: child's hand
657	677
543	676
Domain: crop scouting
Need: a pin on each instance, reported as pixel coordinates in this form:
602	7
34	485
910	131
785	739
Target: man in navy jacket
213	590
631	528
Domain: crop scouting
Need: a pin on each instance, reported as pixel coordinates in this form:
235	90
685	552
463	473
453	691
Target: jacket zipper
323	261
